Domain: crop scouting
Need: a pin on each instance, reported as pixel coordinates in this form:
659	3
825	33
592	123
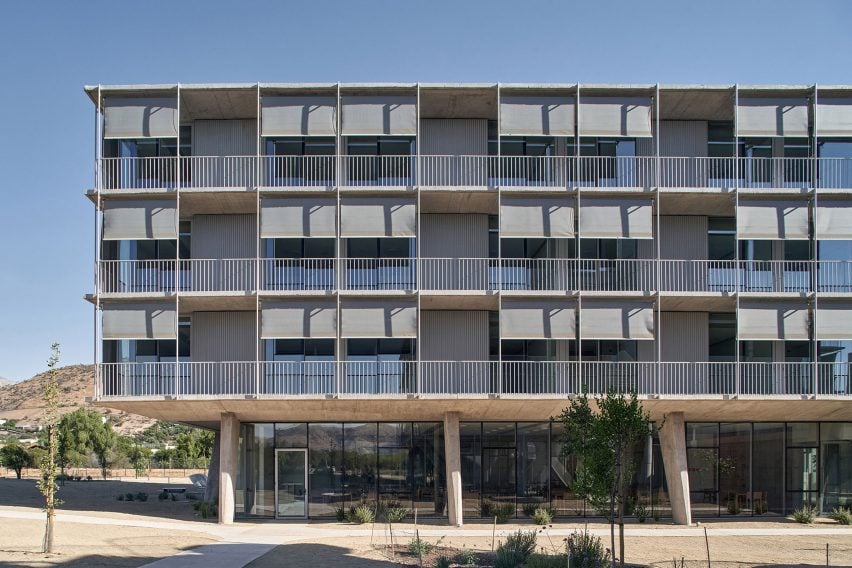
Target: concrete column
673	445
452	457
229	439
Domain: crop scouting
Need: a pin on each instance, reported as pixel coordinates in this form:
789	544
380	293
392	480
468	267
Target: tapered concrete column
452	457
229	440
673	445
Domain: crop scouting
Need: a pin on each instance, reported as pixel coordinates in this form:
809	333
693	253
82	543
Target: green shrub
174	496
585	550
503	511
806	514
340	514
361	514
419	547
442	562
163	495
842	515
466	557
391	512
734	507
141	496
129	496
760	507
542	516
119	497
205	509
515	551
640	511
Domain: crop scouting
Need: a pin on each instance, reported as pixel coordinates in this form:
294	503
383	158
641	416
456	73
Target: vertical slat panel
223	236
683	138
454	335
684	336
454	235
454	137
224	137
683	237
223	336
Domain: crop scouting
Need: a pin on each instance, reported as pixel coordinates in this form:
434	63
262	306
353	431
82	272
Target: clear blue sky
49	50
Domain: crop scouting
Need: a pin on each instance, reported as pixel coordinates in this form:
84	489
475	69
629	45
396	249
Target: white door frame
304	452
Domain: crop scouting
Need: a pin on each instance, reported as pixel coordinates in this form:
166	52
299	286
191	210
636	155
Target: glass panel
562	469
703	480
836	448
291	435
802	470
393	479
802	434
498	478
259	463
359	446
734	468
533	465
291	488
498	434
768	471
470	441
326	469
426	469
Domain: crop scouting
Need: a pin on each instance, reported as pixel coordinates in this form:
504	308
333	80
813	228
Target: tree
605	442
15	457
138	456
47	484
194	447
85	432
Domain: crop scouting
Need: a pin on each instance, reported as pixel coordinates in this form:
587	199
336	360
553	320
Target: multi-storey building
385	292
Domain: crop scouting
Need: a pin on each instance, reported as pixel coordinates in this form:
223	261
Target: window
301	146
722	335
299	349
538	350
721	238
300	248
380	146
155	249
537	248
608	249
527	146
393	349
609	350
383	247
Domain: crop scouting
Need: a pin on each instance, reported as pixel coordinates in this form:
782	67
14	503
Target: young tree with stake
47	483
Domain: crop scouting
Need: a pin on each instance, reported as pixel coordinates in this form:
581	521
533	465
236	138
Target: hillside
22	401
4	381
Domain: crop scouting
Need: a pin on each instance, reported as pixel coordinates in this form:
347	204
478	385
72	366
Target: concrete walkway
221	555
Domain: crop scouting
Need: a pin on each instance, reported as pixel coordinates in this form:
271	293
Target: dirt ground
725	552
84	545
100	497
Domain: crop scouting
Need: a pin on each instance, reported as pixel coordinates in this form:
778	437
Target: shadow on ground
316	555
102	496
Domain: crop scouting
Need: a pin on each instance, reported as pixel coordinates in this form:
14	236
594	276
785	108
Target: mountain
23	402
4	382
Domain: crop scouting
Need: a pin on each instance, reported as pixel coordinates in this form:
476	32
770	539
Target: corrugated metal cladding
683	237
223	336
454	235
454	137
224	236
224	137
448	335
683	138
684	336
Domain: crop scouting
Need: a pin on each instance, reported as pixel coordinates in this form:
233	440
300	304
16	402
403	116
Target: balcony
534	172
152	277
240	379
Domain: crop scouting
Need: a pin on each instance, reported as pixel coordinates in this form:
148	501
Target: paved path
221	555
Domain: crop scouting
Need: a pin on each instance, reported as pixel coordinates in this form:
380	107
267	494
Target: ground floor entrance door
291	483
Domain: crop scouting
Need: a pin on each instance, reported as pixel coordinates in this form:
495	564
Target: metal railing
775	275
698	275
454	378
457	274
138	173
378	171
476	171
622	275
280	274
458	171
531	171
218	275
137	276
537	274
380	273
218	171
834	276
299	171
620	171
